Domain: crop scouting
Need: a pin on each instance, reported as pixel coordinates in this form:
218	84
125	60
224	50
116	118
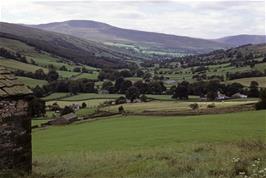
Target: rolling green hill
69	47
140	41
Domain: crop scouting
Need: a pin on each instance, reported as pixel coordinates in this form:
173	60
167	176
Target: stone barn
15	124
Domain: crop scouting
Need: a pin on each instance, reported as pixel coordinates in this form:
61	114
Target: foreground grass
155	147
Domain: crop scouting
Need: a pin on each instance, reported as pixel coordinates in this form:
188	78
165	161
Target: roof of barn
10	86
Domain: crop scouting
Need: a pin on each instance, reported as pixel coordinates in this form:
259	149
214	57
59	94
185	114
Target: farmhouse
238	95
15	124
221	96
170	82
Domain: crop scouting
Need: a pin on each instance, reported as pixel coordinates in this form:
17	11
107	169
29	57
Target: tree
84	70
181	91
139	73
194	106
253	89
143	87
120	100
38	91
118	83
77	69
234	88
143	98
63	68
212	95
39	74
262	103
125	86
73	87
66	110
107	85
52	75
147	76
125	73
36	107
156	87
121	110
132	93
84	105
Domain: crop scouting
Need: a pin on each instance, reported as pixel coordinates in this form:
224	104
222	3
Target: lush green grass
165	106
94	75
138	132
32	82
90	103
55	96
246	81
157	147
38	121
87	96
13	64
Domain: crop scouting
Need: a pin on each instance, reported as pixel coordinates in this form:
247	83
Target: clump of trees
262	103
71	86
37	107
13	55
246	74
210	89
52	75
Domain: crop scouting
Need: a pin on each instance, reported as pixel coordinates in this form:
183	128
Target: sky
198	18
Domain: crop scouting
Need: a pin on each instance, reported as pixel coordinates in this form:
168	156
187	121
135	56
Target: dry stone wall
15	135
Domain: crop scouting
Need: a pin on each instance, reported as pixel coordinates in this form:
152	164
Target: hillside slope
66	46
102	32
239	40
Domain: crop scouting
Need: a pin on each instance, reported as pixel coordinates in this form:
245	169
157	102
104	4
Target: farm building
15	124
221	96
170	82
238	95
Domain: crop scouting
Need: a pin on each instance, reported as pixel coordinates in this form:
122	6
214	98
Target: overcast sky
204	19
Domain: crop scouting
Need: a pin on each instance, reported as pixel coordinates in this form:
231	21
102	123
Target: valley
140	107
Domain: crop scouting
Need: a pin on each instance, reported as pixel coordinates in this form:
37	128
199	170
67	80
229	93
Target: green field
246	81
90	103
13	64
31	82
157	147
167	106
87	96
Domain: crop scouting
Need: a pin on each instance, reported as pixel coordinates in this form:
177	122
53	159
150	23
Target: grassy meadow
167	106
150	146
246	81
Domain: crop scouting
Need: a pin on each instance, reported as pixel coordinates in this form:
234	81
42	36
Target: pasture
150	146
167	106
246	81
31	82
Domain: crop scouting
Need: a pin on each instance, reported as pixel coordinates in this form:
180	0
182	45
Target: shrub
66	110
121	109
84	105
194	106
211	105
143	98
120	100
262	103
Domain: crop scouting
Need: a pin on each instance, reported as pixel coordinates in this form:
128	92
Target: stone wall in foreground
15	136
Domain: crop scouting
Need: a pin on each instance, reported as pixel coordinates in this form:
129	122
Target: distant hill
239	40
145	41
66	46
